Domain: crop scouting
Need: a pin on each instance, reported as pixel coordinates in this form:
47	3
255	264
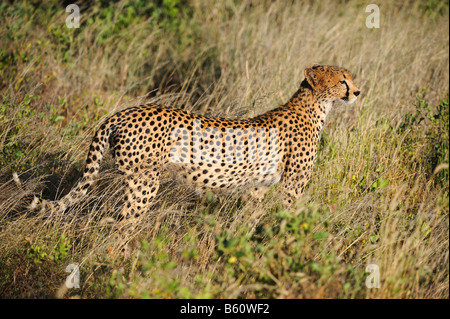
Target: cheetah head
332	83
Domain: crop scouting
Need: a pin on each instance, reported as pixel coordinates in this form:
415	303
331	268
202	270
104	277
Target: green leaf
145	245
383	183
171	265
425	230
374	238
321	235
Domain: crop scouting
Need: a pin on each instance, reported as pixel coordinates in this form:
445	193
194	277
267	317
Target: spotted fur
234	153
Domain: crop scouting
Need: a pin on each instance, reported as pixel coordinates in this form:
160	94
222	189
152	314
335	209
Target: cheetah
209	153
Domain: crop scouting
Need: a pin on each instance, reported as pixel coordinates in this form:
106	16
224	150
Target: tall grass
378	194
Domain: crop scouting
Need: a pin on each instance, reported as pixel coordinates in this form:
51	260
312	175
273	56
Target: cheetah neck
306	102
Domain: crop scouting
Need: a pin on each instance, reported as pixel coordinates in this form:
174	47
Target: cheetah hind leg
140	192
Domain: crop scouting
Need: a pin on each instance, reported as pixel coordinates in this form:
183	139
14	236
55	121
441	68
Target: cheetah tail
37	202
94	158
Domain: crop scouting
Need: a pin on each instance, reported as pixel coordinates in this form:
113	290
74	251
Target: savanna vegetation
379	193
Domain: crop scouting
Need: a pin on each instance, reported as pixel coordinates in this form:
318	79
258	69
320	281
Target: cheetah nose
357	93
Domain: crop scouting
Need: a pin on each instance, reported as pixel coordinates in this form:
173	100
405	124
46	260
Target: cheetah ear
312	77
314	65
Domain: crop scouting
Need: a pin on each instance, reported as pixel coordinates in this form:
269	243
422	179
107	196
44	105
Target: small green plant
40	253
427	139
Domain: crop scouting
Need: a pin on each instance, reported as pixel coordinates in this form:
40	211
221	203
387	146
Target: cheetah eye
342	82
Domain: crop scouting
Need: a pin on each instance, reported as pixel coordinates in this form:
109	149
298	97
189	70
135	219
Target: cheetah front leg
293	186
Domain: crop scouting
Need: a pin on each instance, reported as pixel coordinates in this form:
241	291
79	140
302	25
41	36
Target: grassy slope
378	193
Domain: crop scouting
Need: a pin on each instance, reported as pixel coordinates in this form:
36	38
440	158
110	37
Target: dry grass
377	195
